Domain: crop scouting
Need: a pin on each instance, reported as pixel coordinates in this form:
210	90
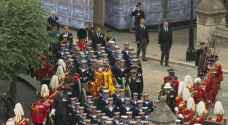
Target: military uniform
19	118
136	81
40	112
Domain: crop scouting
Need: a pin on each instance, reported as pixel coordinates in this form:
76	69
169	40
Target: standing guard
19	118
40	109
82	42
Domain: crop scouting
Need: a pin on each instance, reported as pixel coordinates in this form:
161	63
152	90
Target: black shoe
144	59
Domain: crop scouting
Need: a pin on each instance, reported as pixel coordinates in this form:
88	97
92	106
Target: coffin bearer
142	39
165	42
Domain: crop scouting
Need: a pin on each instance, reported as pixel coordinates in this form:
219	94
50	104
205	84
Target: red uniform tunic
175	84
198	93
82	44
39	112
188	114
212	87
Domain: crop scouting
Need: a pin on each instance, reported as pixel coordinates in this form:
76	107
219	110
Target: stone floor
180	44
154	73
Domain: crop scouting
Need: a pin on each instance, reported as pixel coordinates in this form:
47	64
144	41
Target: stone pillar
99	12
210	14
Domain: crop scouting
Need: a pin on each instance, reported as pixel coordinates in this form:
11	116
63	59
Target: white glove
52	112
44	122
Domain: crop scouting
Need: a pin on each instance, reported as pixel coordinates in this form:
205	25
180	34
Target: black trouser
165	55
142	46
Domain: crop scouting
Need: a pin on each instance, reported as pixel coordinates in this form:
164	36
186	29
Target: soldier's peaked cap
170	70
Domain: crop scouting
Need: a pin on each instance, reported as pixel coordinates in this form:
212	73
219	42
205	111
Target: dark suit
53	22
143	40
69	34
98	38
165	41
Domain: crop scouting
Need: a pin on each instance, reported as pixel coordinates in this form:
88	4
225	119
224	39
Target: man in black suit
143	39
66	33
165	41
98	38
53	21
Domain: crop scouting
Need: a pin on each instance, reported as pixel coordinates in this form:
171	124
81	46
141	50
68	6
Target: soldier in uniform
60	109
136	81
19	118
40	109
172	79
66	33
54	83
99	38
121	73
198	91
110	108
102	99
219	71
77	87
82	42
84	74
211	86
148	104
126	51
61	73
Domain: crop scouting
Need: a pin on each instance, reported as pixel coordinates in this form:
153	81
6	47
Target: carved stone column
210	14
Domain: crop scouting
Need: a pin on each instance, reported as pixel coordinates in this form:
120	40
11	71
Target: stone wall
74	13
118	11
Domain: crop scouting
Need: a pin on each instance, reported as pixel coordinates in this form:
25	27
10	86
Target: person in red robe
219	72
212	86
198	92
40	109
19	118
